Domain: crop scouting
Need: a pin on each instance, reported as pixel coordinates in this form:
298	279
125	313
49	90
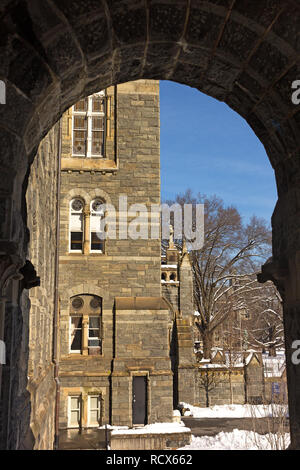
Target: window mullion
89	127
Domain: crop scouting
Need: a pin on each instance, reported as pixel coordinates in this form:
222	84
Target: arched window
96	237
163	276
85	310
173	277
76	225
89	126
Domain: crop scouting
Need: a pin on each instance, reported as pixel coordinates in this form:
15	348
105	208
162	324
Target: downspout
55	358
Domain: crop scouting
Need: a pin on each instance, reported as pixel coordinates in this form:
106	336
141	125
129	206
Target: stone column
186	358
86	232
85	334
284	270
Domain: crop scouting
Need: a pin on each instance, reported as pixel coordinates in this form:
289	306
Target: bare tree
265	330
221	267
208	380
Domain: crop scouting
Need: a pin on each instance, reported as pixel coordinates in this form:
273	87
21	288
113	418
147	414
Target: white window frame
95	337
70	425
89	114
74	351
93	425
70	228
91	230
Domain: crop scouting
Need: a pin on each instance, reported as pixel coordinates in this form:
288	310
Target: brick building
120	356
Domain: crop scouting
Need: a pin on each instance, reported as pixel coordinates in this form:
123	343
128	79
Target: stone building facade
117	348
27	376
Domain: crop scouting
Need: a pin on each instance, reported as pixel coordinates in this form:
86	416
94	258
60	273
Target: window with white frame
96	229
89	126
75	334
74	411
94	410
85	324
94	332
76	225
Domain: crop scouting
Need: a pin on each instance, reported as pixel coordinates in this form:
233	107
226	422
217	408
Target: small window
79	136
75	334
94	410
76	241
94	332
76	225
74	411
97	232
81	106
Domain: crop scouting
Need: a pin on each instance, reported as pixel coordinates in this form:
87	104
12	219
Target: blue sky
209	148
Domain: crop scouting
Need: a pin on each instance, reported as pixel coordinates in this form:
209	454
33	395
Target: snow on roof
156	428
213	366
249	357
164	266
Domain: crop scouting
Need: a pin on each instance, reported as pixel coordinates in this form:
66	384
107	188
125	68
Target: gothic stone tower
177	289
114	325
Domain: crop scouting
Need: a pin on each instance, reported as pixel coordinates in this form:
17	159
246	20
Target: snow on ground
231	411
157	428
238	440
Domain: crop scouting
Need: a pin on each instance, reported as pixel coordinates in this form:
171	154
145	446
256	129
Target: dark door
139	400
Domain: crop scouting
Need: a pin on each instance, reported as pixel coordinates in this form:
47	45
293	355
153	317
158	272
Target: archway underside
241	52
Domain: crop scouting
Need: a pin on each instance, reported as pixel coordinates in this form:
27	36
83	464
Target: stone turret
184	321
186	303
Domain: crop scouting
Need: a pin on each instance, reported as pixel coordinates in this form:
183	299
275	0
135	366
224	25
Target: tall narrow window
97	213
94	410
76	334
89	126
80	130
94	333
74	411
76	225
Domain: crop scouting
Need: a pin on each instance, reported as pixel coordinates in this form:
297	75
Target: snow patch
231	411
235	440
156	428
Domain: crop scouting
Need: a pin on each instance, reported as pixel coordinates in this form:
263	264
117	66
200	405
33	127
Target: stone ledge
149	441
87	164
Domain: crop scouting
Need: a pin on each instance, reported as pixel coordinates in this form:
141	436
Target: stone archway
241	52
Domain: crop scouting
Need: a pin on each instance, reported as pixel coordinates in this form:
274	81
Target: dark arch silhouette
241	52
